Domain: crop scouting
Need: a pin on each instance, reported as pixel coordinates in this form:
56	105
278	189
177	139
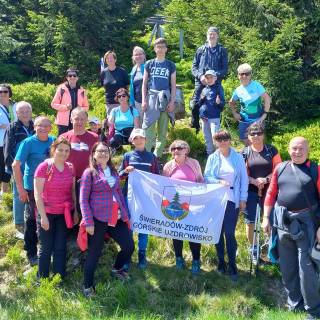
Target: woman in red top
69	96
54	191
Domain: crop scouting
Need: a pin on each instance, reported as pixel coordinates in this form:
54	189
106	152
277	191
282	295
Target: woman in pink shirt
54	191
182	167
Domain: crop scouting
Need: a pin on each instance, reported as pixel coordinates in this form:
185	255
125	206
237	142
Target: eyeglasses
72	76
121	96
102	151
4	91
222	139
247	74
260	133
177	148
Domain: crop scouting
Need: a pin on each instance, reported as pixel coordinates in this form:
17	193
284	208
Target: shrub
310	131
38	94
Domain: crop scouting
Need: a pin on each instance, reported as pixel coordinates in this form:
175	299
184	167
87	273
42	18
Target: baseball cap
136	132
94	120
211	73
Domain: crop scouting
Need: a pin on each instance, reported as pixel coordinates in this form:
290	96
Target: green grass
159	292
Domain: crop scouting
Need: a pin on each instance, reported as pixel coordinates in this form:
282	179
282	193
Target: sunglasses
4	91
121	96
72	76
177	148
247	74
222	139
256	133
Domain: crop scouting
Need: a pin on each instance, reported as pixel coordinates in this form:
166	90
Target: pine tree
176	198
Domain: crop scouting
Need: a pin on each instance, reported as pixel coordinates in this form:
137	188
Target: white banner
176	209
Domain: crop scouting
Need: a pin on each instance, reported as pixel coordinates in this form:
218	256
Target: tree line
280	39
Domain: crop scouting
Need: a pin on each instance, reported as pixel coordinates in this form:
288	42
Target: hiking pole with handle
256	235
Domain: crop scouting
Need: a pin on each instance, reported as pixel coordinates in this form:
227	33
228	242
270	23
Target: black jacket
14	135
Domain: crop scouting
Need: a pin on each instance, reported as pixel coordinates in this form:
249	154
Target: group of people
58	183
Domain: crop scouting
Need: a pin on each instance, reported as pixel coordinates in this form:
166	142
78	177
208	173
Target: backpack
62	91
271	152
313	170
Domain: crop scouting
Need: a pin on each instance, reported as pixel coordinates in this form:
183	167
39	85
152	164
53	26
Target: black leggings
194	247
121	234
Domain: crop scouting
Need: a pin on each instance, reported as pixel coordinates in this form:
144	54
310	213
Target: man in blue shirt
30	154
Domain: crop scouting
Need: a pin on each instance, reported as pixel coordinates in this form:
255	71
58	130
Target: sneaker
222	268
19	235
89	292
233	273
195	267
120	274
180	264
33	260
142	261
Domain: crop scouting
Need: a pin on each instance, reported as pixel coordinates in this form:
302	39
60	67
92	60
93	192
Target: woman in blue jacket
227	167
136	76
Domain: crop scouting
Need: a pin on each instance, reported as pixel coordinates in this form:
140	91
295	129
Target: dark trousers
30	231
121	234
53	241
118	140
299	275
194	247
62	129
195	123
228	235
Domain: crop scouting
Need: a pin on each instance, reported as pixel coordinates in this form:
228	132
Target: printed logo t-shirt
159	74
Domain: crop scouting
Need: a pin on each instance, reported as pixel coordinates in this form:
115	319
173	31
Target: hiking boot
222	267
195	267
180	264
142	261
89	292
120	274
233	273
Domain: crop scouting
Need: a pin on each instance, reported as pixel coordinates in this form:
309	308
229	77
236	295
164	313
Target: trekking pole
256	235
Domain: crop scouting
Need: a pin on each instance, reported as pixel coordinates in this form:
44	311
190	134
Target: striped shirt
141	160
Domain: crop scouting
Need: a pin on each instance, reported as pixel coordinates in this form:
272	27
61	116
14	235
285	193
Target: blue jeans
228	234
53	241
18	206
209	128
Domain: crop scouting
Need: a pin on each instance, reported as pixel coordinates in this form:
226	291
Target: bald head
298	149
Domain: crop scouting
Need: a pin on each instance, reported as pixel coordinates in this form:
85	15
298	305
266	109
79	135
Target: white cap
136	132
94	120
211	73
